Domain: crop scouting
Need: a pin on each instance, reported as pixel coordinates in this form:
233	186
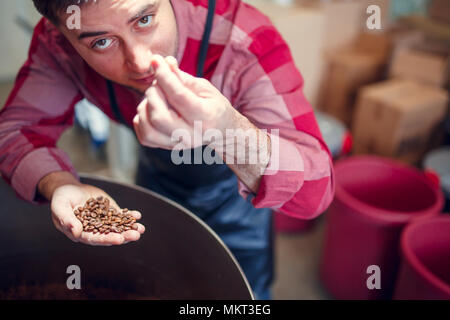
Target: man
138	60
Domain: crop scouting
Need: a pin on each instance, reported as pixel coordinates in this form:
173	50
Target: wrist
231	120
49	183
243	142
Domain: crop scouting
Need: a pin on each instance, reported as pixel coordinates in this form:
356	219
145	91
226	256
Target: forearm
50	182
246	150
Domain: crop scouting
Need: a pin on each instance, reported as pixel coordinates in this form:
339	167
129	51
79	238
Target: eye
145	21
102	44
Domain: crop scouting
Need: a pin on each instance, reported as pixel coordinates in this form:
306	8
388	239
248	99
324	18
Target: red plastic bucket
375	199
425	267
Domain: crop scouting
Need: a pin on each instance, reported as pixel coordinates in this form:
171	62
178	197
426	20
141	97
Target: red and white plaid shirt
248	61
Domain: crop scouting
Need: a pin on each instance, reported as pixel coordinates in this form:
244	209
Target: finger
61	229
148	133
187	79
131	235
134	235
172	61
136	124
177	94
77	229
162	117
65	220
102	239
140	138
141	228
135	214
158	111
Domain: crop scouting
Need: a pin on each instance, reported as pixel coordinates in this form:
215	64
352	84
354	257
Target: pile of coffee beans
97	216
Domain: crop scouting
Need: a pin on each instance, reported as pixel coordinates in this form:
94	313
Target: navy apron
211	192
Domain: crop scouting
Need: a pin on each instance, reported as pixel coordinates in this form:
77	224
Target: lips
146	80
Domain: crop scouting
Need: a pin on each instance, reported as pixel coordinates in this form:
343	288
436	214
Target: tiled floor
297	255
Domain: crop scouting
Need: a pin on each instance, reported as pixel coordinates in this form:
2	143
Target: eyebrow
91	34
140	14
142	11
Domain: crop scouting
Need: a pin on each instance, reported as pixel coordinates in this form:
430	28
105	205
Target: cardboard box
397	118
440	10
347	72
420	66
376	44
403	36
361	63
433	29
347	18
312	28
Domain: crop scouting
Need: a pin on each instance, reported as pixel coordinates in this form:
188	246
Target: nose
138	58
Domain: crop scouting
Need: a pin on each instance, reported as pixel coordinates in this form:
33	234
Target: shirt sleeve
298	180
38	110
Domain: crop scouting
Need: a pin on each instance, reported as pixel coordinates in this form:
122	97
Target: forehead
97	11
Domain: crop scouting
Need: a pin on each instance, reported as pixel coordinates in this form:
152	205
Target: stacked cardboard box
440	10
397	118
347	72
402	118
349	69
314	27
420	66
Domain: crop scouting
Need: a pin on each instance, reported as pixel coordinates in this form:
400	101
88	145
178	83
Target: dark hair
52	8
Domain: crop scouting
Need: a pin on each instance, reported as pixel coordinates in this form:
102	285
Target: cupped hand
69	197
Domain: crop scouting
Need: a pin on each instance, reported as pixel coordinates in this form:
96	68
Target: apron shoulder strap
205	39
113	103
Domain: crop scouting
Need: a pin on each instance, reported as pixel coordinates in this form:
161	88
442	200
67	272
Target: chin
133	86
140	88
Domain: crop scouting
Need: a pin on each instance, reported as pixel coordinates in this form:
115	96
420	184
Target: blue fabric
211	192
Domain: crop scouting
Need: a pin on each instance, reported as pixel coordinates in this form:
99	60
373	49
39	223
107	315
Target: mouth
145	80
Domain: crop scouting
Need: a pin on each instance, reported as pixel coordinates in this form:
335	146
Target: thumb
71	224
76	228
66	218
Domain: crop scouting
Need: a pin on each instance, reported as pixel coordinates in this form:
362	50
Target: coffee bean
97	216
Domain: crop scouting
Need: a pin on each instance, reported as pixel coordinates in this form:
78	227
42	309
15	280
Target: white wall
14	40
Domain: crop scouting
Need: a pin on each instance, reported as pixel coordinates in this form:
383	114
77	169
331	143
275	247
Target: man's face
118	38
